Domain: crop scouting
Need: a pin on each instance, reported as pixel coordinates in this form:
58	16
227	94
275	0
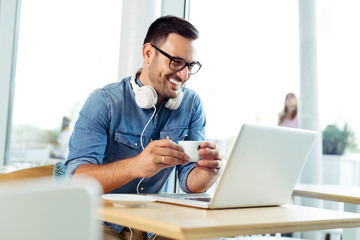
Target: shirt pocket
129	139
174	134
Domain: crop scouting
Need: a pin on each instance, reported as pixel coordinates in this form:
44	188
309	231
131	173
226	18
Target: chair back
39	210
59	172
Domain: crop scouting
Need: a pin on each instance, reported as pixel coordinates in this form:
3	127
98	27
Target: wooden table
328	192
349	195
180	222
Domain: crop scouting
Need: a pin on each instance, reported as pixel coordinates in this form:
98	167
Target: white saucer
127	200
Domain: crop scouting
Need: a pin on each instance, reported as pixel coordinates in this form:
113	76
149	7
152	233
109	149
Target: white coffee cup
191	148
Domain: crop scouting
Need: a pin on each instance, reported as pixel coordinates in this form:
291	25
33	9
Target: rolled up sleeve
89	138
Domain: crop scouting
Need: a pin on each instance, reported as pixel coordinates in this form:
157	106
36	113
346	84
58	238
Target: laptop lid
262	169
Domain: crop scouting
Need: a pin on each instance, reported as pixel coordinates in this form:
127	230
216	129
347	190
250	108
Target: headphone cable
142	133
142	146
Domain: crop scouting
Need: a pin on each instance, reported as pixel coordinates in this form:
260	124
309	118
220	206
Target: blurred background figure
288	116
61	149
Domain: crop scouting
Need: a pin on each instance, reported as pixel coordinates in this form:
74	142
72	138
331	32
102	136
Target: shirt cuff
72	165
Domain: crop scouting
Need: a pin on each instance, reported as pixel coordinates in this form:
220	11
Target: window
66	50
249	52
338	63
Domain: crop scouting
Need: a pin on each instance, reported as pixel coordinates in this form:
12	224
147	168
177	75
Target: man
114	126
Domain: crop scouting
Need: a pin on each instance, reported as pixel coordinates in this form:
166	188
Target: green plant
335	140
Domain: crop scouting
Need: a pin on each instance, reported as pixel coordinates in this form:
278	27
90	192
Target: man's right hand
157	155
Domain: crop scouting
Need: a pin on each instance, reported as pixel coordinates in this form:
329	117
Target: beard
161	84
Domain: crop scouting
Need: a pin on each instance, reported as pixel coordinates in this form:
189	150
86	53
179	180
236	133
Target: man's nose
184	73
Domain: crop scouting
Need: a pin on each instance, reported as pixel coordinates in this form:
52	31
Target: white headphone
146	96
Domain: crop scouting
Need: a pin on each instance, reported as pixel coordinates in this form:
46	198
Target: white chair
39	210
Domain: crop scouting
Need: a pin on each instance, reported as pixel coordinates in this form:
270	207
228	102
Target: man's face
167	82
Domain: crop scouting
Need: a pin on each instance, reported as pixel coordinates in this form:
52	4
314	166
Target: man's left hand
210	159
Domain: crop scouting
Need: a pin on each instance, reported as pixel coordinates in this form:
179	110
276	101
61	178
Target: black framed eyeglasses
178	64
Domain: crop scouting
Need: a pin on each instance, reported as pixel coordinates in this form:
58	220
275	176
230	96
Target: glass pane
249	52
66	50
338	66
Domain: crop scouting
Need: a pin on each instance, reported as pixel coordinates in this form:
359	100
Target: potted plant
335	140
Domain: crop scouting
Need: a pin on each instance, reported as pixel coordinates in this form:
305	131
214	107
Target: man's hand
159	154
210	159
207	169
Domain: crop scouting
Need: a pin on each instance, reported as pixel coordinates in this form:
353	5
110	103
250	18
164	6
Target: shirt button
167	137
142	189
135	144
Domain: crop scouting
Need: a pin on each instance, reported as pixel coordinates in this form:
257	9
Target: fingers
210	159
166	143
211	166
167	152
209	163
212	154
209	145
209	150
174	159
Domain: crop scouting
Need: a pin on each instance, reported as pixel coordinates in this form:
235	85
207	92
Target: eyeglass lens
178	65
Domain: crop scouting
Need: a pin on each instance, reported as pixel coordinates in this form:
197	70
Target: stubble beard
159	83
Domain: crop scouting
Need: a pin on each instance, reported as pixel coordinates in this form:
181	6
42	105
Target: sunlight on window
66	50
249	51
338	63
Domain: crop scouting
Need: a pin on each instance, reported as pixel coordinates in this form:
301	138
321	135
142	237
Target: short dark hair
163	26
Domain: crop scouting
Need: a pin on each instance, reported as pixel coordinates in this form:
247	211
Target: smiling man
127	132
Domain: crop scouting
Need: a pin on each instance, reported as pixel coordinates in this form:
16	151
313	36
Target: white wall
134	28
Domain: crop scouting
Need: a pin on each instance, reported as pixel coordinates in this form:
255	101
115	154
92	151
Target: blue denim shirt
109	128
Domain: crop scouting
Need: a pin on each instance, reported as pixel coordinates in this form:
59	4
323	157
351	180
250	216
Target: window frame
9	27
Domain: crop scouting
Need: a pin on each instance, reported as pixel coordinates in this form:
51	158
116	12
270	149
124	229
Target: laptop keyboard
202	199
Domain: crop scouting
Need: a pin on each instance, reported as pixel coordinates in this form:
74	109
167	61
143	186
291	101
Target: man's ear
148	52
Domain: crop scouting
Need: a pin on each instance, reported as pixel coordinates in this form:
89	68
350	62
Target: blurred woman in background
288	116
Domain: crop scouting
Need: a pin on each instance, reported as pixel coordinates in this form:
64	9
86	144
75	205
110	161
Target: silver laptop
262	170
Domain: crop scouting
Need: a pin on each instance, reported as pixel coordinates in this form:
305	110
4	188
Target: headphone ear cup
146	97
174	103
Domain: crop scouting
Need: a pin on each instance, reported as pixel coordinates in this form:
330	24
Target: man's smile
175	83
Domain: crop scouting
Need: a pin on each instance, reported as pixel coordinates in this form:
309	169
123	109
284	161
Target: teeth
174	82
